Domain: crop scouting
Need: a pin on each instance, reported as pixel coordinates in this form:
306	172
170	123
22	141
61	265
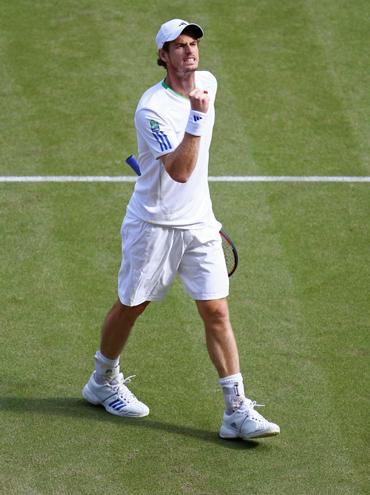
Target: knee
130	312
219	314
214	311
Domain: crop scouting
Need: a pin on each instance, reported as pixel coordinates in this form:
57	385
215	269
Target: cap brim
194	29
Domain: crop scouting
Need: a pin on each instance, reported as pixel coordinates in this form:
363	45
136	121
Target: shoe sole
229	435
92	399
261	435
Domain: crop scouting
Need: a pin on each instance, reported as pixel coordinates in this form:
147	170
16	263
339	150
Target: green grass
293	100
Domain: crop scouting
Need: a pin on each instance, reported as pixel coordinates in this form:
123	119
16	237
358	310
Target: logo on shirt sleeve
154	125
160	136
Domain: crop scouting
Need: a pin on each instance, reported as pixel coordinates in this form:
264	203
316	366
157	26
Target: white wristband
196	123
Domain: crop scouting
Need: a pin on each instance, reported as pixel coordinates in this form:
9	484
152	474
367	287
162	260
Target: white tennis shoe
115	397
246	423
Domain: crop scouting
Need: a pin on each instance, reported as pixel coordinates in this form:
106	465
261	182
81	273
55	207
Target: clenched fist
199	100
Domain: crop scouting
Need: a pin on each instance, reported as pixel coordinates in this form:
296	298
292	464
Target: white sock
233	389
105	369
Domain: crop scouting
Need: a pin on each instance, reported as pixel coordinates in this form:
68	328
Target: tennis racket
230	253
228	247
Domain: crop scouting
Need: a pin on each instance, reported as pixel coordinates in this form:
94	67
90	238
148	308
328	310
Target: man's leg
240	418
220	338
107	385
117	327
223	350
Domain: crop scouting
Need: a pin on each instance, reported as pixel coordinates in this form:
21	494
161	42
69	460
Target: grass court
293	100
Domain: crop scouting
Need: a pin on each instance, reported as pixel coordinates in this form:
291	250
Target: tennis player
170	228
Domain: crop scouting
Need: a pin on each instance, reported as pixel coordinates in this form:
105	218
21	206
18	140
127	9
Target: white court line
67	178
221	178
287	178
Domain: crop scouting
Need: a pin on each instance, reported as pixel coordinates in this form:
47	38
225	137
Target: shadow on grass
78	408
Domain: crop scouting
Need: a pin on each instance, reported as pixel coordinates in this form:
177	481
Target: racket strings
229	254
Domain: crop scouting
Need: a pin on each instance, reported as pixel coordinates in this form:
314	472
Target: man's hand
199	100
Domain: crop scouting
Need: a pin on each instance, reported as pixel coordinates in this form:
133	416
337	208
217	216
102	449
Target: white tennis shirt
160	120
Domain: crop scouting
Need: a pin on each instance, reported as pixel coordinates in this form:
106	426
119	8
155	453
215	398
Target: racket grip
132	162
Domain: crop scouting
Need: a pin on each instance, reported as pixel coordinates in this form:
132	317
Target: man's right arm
180	163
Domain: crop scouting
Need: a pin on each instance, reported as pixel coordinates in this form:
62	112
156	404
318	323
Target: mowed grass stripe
293	117
347	63
283	238
326	237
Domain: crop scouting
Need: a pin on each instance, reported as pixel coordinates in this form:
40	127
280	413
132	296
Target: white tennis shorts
152	255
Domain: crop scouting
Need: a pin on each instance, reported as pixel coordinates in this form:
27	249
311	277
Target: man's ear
162	54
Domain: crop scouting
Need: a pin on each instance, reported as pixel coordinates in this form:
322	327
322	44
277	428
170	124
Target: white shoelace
239	402
253	414
253	404
118	385
244	404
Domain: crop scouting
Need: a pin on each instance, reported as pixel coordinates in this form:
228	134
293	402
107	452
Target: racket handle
132	162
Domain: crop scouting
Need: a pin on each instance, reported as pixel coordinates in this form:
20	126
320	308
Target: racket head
230	253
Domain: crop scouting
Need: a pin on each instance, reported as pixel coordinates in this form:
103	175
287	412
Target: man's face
183	55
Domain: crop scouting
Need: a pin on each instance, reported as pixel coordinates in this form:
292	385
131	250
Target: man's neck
182	85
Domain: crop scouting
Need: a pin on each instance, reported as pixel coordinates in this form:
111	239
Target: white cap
170	30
